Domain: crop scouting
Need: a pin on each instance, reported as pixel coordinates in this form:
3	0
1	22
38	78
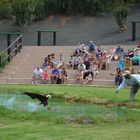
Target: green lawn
20	125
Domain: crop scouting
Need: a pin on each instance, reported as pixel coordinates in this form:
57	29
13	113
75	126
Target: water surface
57	106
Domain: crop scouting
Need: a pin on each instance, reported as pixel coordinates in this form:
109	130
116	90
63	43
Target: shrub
94	8
23	10
120	13
4	9
39	9
50	7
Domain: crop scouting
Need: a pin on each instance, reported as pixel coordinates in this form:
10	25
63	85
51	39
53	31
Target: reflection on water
58	107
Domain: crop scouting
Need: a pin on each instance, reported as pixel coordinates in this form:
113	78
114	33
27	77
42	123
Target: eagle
42	98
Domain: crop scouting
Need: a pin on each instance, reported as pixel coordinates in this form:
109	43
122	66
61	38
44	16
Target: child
45	76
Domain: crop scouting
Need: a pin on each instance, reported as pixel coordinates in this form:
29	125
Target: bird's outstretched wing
32	95
42	98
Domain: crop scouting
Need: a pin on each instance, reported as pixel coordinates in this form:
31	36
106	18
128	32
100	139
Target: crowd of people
86	61
52	71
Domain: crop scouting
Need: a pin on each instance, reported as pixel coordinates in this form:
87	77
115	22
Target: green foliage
4	60
72	7
50	7
39	9
120	13
94	8
23	10
4	9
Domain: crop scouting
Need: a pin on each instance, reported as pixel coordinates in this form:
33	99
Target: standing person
133	80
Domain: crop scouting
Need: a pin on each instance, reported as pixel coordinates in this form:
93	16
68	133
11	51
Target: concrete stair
20	69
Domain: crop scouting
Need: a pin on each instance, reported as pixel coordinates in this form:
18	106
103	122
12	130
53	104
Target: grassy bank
90	94
22	125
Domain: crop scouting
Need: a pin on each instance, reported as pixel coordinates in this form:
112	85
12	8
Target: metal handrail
18	46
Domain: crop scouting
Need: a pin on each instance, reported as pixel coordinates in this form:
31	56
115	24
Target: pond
57	106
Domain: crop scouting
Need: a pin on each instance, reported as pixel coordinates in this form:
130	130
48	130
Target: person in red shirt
45	77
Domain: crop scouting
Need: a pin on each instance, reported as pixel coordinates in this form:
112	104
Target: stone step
27	80
20	69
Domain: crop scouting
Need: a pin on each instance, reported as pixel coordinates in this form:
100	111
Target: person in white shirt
37	75
80	71
132	80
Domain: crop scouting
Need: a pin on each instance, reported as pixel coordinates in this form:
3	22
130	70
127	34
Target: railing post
20	41
133	31
39	38
0	62
9	54
9	49
16	48
54	38
8	40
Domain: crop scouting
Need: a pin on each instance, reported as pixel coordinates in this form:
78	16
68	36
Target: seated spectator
37	75
55	76
61	61
108	60
78	50
99	52
133	71
121	64
118	76
86	59
75	61
91	47
94	69
112	53
130	53
45	76
52	56
88	76
128	64
137	51
64	76
83	49
80	71
45	64
100	62
119	52
104	60
70	62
